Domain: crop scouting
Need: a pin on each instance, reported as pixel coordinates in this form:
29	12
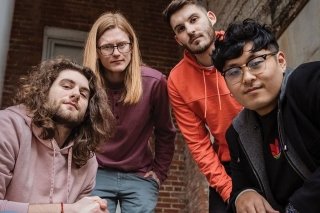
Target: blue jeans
135	194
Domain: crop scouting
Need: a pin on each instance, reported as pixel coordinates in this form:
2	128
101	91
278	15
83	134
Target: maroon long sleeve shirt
129	149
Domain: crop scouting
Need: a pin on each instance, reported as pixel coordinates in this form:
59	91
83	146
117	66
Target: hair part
176	5
238	34
132	80
98	123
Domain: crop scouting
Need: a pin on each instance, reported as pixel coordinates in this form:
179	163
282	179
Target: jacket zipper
284	148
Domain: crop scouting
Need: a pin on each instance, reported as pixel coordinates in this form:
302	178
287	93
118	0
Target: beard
65	117
198	49
210	37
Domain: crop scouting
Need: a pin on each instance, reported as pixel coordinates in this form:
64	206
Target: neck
205	58
61	134
115	77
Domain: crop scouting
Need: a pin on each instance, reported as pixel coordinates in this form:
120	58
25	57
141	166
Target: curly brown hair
98	123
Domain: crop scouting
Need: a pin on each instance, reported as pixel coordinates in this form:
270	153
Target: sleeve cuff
242	192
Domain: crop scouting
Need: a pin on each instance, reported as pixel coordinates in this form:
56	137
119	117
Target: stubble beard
199	49
64	117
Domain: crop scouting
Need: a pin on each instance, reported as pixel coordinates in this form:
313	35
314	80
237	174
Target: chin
252	105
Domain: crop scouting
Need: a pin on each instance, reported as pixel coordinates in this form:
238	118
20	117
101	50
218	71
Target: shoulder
91	166
13	115
15	131
178	69
242	118
231	134
148	72
92	163
305	78
306	72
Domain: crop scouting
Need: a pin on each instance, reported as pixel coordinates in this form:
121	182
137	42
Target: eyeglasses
108	49
255	66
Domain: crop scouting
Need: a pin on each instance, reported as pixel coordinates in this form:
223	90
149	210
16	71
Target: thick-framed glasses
255	66
108	49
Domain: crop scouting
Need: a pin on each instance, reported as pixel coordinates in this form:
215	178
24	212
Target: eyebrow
66	80
252	55
193	14
116	43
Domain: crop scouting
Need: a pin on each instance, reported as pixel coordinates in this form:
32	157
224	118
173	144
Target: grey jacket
246	124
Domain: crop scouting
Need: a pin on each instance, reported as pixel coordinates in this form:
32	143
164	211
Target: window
63	42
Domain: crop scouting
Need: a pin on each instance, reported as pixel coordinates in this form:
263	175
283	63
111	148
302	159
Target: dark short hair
176	5
235	38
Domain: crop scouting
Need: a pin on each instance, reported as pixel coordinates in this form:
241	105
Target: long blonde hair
132	79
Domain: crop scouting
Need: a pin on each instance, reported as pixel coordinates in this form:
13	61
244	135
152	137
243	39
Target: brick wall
158	49
30	17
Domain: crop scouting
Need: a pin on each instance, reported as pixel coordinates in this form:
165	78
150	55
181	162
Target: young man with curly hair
48	139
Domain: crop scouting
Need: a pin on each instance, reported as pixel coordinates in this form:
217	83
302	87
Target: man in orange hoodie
200	99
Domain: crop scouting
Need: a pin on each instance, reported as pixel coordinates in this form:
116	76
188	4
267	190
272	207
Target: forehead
182	15
246	55
74	76
113	35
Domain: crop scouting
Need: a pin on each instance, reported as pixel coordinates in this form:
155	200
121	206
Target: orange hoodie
202	106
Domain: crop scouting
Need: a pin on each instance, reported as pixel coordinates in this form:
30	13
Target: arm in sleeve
198	140
9	149
242	176
164	130
303	93
91	171
306	198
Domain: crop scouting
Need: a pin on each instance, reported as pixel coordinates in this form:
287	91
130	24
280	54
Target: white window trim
59	36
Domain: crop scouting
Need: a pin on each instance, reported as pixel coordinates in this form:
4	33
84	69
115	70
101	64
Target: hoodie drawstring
52	173
219	98
69	172
54	170
205	92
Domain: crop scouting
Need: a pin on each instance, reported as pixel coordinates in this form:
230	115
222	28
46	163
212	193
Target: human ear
282	60
212	17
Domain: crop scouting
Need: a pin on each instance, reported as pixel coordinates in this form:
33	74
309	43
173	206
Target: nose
190	29
75	95
115	51
247	76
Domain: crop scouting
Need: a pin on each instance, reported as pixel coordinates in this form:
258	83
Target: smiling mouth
251	90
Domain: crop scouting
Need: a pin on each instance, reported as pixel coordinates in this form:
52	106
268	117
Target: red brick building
43	28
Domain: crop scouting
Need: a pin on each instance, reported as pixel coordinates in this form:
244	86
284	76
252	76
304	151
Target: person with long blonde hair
129	173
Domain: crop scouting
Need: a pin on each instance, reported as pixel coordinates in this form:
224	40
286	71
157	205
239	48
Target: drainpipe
6	15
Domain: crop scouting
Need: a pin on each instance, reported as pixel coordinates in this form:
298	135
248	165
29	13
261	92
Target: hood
36	131
193	62
51	145
22	111
206	71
